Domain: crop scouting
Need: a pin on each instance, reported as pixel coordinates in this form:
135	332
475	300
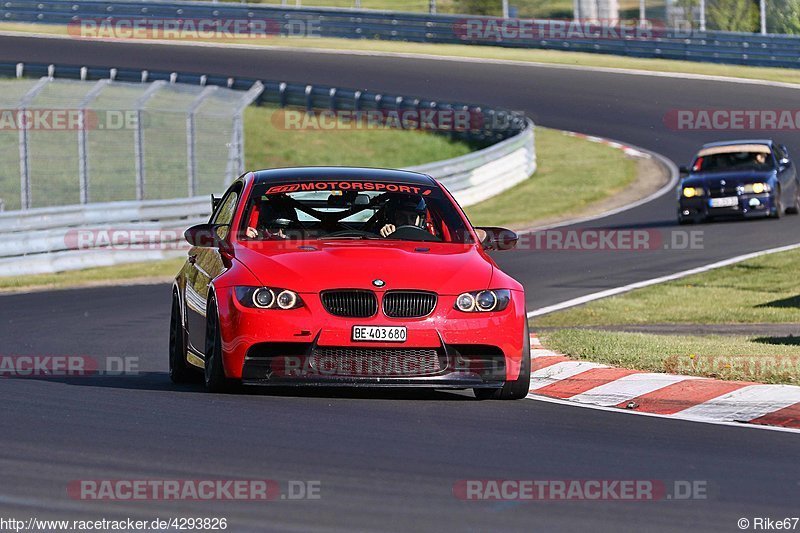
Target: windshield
734	161
351	210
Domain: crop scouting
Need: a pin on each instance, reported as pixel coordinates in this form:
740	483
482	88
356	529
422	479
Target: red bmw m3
347	277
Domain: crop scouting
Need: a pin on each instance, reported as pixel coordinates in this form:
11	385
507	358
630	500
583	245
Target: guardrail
55	239
709	46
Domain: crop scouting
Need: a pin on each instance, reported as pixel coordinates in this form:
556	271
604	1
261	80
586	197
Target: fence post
138	135
191	140
24	148
83	151
236	151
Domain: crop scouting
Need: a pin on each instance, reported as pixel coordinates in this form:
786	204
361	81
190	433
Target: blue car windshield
759	161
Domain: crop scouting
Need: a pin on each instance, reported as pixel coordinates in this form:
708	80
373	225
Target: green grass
267	146
722	357
562	184
493	52
731	358
762	290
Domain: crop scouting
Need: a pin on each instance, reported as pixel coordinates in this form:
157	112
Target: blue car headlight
756	188
692	192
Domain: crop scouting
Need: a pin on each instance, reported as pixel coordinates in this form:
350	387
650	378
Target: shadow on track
160	382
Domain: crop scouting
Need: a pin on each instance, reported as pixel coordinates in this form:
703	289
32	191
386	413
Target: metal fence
711	46
69	141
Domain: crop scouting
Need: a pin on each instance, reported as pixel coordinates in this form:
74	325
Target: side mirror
204	235
785	162
684	171
497	238
215	202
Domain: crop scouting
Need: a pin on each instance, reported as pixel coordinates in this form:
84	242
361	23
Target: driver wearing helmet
410	211
271	218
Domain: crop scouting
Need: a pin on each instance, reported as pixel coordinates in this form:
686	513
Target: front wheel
215	379
518	388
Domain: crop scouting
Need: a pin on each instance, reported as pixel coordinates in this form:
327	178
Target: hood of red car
313	267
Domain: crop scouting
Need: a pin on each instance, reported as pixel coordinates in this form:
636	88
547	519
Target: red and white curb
686	397
630	151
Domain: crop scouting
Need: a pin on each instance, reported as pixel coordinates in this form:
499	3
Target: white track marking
654	281
434	57
626	388
624	412
745	404
557	372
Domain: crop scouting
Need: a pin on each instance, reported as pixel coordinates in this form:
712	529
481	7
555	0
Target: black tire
795	209
215	379
179	369
518	388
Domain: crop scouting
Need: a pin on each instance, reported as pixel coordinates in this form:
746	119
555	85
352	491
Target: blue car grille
718	191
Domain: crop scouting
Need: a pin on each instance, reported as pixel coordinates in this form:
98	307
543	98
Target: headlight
287	299
483	301
263	298
465	302
755	188
691	192
268	298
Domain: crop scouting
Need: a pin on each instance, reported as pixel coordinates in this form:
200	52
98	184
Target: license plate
729	201
379	333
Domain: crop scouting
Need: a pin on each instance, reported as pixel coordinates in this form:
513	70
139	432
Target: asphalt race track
390	460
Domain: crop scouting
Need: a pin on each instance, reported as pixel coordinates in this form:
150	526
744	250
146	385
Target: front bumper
698	207
311	364
308	346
